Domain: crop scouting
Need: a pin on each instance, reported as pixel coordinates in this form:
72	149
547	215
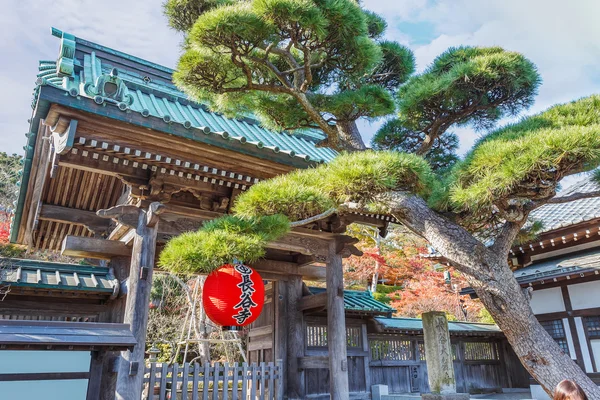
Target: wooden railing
217	382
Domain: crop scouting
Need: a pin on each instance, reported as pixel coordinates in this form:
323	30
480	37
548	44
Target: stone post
438	352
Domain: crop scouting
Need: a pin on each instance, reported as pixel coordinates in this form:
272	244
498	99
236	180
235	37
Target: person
569	390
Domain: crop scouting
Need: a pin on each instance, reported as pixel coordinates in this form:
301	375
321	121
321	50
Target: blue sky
562	38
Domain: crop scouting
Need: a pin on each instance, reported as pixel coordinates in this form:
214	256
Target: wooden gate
217	382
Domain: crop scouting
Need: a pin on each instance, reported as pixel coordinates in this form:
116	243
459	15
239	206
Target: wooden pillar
336	326
280	330
95	381
295	339
115	314
131	363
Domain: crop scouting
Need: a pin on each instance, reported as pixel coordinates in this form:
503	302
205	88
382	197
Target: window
422	351
353	336
556	329
316	336
480	351
592	325
391	350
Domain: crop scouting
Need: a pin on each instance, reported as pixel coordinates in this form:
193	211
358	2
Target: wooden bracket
152	215
127	215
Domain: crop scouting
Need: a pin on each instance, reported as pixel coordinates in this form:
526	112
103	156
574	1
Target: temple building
117	162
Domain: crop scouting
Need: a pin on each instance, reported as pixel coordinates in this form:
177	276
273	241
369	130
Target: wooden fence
217	382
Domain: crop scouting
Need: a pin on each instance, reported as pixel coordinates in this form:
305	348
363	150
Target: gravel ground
521	395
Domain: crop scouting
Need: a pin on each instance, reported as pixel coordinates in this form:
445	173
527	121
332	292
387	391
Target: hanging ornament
233	296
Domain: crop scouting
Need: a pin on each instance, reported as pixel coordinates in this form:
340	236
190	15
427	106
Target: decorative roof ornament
66	57
112	89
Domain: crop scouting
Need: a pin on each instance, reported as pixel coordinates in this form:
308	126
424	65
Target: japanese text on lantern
247	288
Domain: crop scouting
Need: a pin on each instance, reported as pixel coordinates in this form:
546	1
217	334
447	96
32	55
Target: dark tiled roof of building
556	216
416	325
362	302
571	263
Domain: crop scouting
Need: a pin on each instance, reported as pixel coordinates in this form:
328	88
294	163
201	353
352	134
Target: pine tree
322	64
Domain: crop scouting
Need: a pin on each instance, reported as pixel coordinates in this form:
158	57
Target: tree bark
489	274
349	135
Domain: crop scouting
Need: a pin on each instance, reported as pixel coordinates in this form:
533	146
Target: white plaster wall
585	351
537	393
595	348
585	295
547	301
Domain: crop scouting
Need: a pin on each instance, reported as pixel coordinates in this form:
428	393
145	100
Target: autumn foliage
412	284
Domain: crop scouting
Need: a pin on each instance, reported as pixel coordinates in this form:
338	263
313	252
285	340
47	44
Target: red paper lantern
233	295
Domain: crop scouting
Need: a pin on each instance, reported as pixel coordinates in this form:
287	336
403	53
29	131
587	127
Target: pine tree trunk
538	352
350	135
489	274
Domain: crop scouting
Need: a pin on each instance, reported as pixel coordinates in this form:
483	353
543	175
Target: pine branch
573	197
313	218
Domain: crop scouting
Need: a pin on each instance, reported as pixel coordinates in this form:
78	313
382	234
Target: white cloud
136	27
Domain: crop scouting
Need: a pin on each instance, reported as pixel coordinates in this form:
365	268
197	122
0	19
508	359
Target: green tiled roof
146	96
415	324
58	276
361	301
157	97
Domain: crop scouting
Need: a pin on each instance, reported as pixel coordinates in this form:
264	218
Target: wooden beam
77	246
36	185
74	216
311	302
313	362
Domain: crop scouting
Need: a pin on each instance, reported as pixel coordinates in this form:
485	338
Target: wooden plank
225	381
74	216
366	348
205	381
253	373
215	388
311	302
272	388
245	381
195	380
313	362
336	326
163	382
152	381
235	380
263	381
77	246
185	381
263	330
174	380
